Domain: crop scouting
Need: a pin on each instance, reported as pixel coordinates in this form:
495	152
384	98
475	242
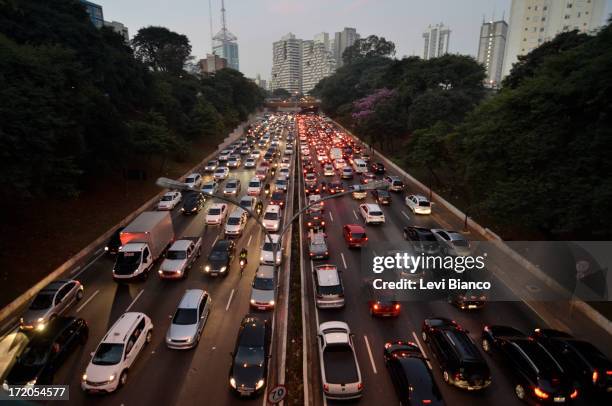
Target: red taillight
376	306
608	373
397	306
574	394
322	223
387	345
540	393
359	386
325	387
426	401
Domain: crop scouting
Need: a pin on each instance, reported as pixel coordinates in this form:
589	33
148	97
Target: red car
354	235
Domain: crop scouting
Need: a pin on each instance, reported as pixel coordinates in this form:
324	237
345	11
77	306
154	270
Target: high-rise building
343	40
212	63
317	63
491	49
224	43
533	22
95	13
323	38
436	40
261	82
287	64
119	28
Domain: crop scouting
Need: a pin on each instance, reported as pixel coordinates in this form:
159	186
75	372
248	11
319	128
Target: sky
258	23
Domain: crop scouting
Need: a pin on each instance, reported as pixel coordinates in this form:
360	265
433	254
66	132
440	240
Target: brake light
574	394
595	376
426	401
387	345
608	373
376	306
359	386
397	306
540	393
325	387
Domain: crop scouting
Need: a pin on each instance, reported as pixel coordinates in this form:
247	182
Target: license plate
245	392
261	307
559	399
472	306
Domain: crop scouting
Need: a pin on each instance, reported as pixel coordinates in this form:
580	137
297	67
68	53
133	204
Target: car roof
273	208
327	275
191	299
372	206
54	286
120	331
274	238
222	244
237	212
265	271
317	238
181	245
218	205
355	228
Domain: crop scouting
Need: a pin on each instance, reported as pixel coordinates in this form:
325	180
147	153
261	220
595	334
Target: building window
567	16
543	18
541	29
569	5
524	39
545	8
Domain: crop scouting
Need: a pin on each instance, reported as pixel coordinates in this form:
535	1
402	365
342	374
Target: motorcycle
242	265
267	190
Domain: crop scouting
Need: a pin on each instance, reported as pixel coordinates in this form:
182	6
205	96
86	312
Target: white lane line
355	214
229	302
370	354
249	242
87	301
343	260
216	238
405	215
421	348
331	217
77	271
99	251
134	301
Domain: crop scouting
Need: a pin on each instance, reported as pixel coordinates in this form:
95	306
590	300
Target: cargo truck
143	241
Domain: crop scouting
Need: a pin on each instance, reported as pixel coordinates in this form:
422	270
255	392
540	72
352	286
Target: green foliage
371	46
281	93
161	49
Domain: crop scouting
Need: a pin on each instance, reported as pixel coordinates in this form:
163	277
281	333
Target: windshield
189	180
185	317
329	290
231	185
268	246
42	301
461	243
376	213
34	355
218	255
263	284
176	255
166	198
108	354
271	216
249	356
128	258
233	221
423	203
214	212
254	184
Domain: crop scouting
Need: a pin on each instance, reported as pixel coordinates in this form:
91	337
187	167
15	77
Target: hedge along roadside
90	249
579	304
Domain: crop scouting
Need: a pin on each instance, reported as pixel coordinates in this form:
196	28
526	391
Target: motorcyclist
243	255
267	189
259	207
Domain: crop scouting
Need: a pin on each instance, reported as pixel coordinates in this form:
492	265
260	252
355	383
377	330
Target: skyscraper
533	22
436	40
119	28
224	43
343	40
323	38
287	64
95	13
317	63
491	49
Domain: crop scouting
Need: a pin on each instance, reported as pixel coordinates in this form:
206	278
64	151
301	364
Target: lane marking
331	217
249	242
134	301
78	271
87	301
355	214
216	238
229	302
343	260
370	354
405	215
416	337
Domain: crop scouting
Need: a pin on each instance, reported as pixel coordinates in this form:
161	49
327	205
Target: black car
193	204
381	196
220	258
47	351
278	198
311	189
314	221
468	299
581	359
113	244
412	379
249	369
422	239
335	187
537	376
461	362
377	168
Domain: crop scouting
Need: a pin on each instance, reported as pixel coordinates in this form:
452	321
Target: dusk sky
258	23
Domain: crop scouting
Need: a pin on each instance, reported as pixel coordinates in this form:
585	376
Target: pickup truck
180	257
340	372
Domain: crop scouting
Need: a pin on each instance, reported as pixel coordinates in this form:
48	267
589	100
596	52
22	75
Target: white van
360	166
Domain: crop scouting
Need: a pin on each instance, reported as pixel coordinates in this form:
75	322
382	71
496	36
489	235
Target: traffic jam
383	351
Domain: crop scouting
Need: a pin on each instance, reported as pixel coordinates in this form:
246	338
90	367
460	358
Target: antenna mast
212	43
224	28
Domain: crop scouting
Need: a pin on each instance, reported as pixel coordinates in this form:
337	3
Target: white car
234	161
285	163
221	173
339	163
211	187
254	187
418	204
284	172
232	187
194	180
224	155
371	213
250	163
452	242
267	250
281	184
116	353
317	204
328	170
169	201
211	165
216	214
263	289
255	154
289	151
236	222
272	217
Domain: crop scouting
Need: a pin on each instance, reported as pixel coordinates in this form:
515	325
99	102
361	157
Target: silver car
189	320
53	300
232	187
452	242
263	290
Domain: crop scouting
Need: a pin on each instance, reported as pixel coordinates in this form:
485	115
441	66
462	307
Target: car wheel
520	391
424	335
446	377
486	346
79	294
123	378
149	336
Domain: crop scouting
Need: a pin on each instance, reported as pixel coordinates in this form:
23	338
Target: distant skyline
258	23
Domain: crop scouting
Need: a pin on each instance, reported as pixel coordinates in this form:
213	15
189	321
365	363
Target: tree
281	93
161	49
368	47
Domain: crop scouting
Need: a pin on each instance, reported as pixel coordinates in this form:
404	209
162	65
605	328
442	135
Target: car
418	204
267	250
451	242
281	184
169	200
261	172
317	245
283	172
193	204
383	303
234	161
381	197
119	348
366	178
216	214
395	183
378	168
272	217
249	367
458	357
371	213
236	222
310	179
254	187
224	155
354	235
588	366
193	180
358	193
285	163
220	258
278	198
114	242
46	352
250	163
311	189
232	187
189	320
315	203
314	221
180	257
411	377
51	301
248	203
255	154
421	239
328	170
472	299
537	377
211	166
339	163
335	187
347	173
210	188
329	291
245	150
263	289
288	151
221	173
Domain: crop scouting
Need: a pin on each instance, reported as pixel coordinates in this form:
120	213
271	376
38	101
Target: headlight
223	268
233	383
40	320
41	327
84	377
271	302
31	383
252	301
160	272
207	268
259	384
111	378
261	258
105	248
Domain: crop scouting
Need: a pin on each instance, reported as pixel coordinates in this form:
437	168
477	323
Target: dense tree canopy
161	49
368	47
